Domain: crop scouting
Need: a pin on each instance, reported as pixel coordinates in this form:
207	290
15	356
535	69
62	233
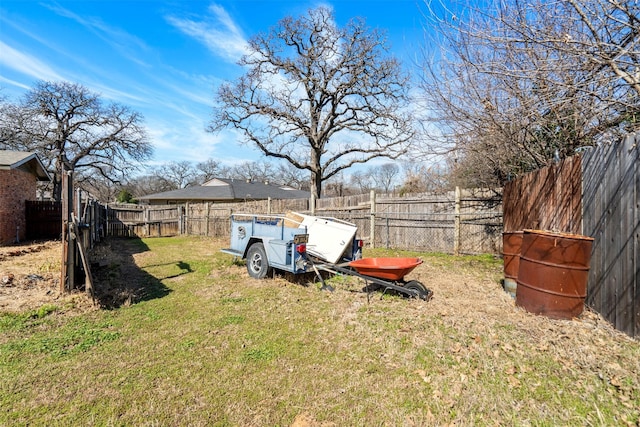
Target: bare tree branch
68	125
515	85
320	97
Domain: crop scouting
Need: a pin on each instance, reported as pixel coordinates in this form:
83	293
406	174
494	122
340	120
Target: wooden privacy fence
456	222
611	201
548	199
43	219
596	195
144	221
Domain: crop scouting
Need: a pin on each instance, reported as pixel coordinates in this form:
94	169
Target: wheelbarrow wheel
257	263
422	292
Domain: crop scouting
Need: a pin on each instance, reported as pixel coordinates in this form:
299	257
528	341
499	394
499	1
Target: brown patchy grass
191	339
30	278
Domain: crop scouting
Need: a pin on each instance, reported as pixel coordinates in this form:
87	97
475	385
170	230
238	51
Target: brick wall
16	186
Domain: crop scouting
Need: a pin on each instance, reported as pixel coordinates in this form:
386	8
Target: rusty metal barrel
553	272
511	244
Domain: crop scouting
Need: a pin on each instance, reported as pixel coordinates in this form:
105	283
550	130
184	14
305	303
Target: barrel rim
559	234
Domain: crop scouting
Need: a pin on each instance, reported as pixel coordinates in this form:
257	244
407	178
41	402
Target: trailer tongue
298	243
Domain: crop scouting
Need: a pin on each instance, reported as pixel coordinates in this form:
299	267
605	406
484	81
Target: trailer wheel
423	293
257	263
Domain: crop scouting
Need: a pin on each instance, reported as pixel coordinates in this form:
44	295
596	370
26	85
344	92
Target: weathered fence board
597	195
611	216
425	222
43	219
547	199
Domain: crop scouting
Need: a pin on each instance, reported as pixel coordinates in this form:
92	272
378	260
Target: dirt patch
30	277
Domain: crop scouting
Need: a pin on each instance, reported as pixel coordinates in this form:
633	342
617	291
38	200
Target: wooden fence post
147	218
65	233
207	213
372	219
67	279
312	204
184	213
456	224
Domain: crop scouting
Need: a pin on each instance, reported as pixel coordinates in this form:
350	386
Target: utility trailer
290	242
299	243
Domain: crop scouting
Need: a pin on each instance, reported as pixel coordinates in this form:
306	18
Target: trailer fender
275	249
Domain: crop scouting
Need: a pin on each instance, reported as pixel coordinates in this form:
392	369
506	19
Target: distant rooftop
228	190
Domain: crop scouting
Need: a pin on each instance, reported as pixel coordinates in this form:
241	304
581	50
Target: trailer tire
423	293
257	262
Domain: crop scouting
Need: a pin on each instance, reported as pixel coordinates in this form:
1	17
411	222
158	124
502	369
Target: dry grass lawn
186	337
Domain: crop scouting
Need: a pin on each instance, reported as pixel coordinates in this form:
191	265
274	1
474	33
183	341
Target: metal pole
372	219
207	215
388	231
456	224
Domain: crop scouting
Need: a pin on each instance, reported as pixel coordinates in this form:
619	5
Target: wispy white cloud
109	92
74	65
175	102
193	87
126	44
13	83
26	64
218	32
195	144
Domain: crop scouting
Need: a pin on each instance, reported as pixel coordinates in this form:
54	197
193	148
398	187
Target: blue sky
165	59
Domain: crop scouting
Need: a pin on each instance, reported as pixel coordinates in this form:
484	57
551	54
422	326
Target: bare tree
208	170
422	177
336	186
321	97
385	176
610	40
516	85
291	176
176	175
254	171
147	184
362	180
69	126
99	187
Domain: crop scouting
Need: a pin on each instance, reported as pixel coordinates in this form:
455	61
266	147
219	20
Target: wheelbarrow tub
385	268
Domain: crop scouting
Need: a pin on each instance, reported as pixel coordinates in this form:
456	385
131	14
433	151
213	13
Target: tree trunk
316	184
57	187
316	171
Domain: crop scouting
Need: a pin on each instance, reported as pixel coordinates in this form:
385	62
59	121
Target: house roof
25	161
220	189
